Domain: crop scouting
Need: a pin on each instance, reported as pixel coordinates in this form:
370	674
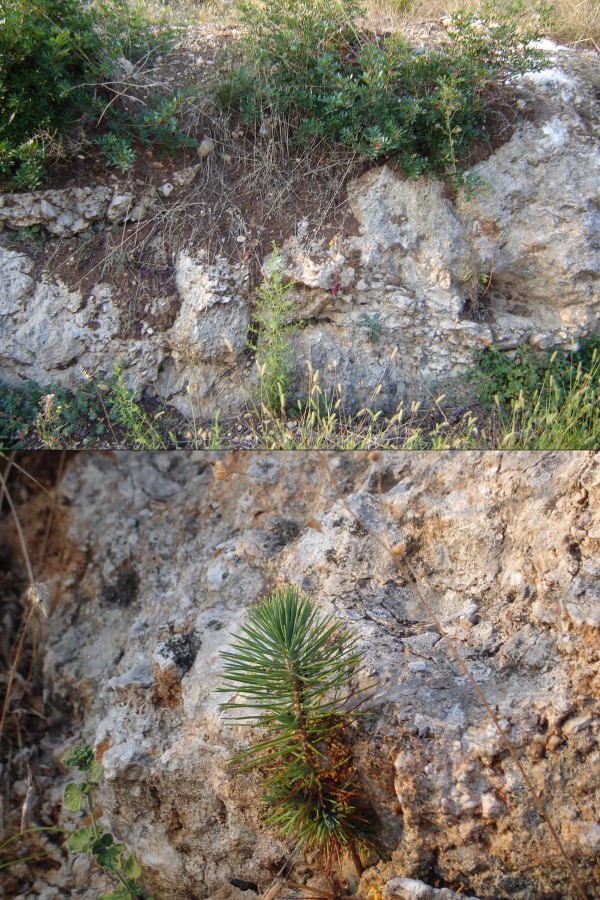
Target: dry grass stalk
36	594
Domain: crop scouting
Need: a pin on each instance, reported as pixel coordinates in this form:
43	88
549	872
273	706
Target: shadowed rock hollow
160	561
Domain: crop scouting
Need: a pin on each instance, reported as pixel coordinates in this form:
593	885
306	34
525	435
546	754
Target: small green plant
128	414
59	416
117	151
501	379
157	124
18	411
54	415
48	423
471	183
559	414
295	669
373	325
272	328
90	839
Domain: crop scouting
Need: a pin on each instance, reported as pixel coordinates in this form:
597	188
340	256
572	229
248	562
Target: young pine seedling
292	670
90	839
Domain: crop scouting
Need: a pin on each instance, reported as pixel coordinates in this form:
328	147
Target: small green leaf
81	840
131	867
73	797
81	757
108	895
95	772
107	854
105	840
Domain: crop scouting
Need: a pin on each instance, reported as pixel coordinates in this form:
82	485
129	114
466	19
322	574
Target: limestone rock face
209	335
16	281
410	272
49	332
536	223
411	889
72	210
526	240
162	560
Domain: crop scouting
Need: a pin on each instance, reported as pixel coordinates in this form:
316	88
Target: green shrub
18	412
60	417
382	98
557	415
157	123
56	58
502	379
117	151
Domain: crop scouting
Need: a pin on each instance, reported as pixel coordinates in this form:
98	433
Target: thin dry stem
52	510
36	595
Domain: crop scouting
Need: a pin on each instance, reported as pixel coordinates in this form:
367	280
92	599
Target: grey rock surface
68	211
50	333
411	889
16	282
208	339
160	561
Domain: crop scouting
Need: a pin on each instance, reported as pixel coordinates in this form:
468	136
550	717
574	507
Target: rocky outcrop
514	260
51	333
401	304
535	224
73	210
209	337
159	563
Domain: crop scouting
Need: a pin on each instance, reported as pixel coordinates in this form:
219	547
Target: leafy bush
543	400
18	412
56	58
502	379
557	415
117	151
59	417
54	413
157	124
382	98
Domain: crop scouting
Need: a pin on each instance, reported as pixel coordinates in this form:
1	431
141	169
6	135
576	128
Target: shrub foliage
57	62
380	96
